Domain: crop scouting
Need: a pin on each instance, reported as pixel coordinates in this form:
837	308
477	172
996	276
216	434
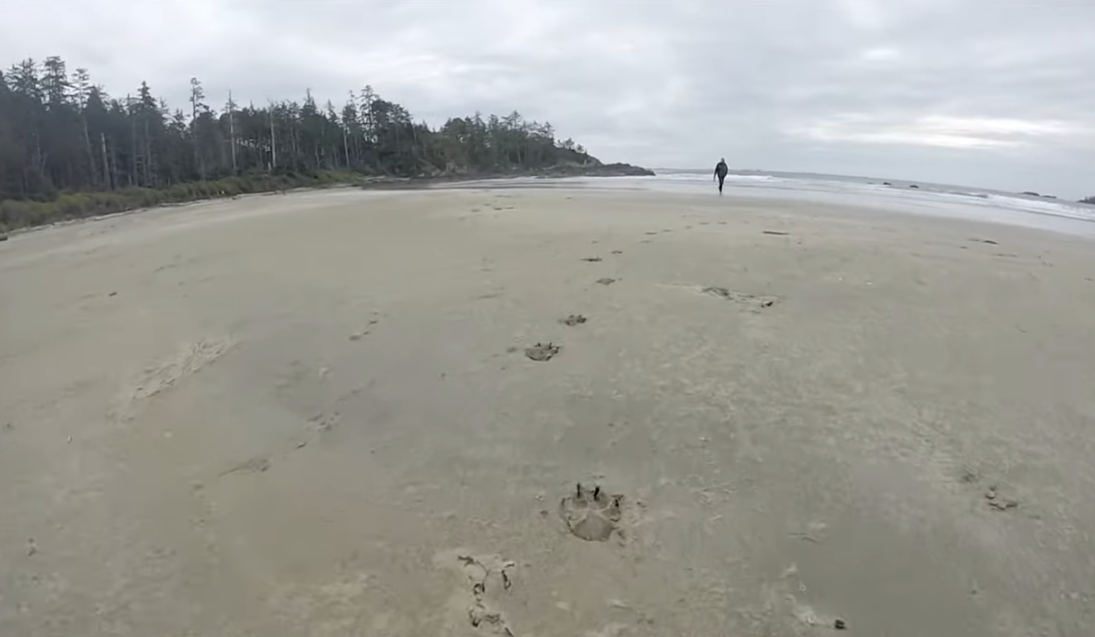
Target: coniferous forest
69	149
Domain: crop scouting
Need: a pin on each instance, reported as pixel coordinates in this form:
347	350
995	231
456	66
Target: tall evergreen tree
63	133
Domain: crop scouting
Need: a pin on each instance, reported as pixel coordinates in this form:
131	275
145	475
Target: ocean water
925	197
872	194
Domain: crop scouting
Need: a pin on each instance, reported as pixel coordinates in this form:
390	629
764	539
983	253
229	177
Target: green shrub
22	213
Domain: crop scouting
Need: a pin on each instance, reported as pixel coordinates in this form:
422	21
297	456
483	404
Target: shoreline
363	182
862	208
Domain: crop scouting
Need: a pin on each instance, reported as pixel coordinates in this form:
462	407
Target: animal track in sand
996	498
360	334
318	424
187	360
591	259
165	374
254	465
999	502
541	352
782	612
606	280
591	514
480	572
573	319
325	421
753	301
484	586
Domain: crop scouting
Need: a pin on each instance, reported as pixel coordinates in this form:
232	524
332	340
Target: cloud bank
960	91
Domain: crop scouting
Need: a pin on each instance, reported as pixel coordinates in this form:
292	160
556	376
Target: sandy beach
545	413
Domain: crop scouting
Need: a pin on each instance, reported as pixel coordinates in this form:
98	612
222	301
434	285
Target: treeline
68	149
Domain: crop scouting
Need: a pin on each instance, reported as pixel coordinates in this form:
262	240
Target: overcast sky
996	93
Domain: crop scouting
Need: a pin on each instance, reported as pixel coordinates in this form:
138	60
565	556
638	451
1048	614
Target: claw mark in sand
752	300
777	232
541	352
573	319
606	280
591	514
591	259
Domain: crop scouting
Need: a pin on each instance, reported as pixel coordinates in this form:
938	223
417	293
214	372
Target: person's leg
721	179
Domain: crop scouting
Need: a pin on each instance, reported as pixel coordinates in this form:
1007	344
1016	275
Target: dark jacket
721	170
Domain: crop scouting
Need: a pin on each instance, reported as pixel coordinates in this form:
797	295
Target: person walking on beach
720	172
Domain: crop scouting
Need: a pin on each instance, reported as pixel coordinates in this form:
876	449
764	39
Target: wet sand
320	414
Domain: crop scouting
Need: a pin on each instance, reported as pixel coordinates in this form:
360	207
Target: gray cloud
993	94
